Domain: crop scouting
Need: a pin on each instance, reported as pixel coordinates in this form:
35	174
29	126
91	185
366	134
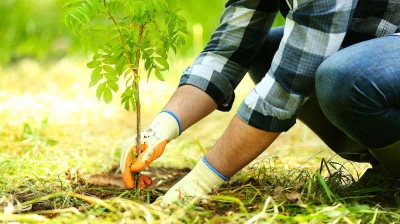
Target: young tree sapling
123	34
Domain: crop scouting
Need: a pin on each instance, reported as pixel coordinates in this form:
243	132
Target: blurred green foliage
30	28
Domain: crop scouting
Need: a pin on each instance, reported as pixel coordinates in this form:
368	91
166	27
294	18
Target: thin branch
135	83
137	101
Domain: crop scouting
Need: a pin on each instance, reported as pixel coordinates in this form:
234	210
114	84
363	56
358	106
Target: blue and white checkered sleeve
220	67
313	31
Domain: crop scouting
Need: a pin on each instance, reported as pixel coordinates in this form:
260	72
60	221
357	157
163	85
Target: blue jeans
323	123
358	89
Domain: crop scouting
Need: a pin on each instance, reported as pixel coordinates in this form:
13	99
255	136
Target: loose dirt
162	177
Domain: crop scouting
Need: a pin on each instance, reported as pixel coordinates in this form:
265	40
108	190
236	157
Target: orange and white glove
165	127
197	183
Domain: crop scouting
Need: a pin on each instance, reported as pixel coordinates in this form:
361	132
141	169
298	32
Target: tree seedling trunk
124	36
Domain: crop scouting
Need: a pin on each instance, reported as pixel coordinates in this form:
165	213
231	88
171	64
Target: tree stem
135	83
137	101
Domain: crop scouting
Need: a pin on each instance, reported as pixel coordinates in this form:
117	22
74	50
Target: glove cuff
166	125
198	183
214	170
176	119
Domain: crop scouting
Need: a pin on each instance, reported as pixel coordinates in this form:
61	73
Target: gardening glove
197	183
165	127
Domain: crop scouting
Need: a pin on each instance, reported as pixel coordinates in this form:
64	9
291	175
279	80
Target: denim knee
332	90
357	89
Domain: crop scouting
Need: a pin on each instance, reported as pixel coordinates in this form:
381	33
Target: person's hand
127	176
197	183
130	164
165	127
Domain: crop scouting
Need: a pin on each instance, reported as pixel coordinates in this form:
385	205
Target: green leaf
118	54
100	90
76	16
148	62
128	101
150	9
173	48
162	62
127	92
83	13
71	2
123	100
111	78
93	64
120	66
142	9
110	70
128	73
113	86
98	28
149	51
108	60
107	95
96	57
156	5
108	50
98	37
126	105
149	72
159	75
328	191
96	76
117	47
132	100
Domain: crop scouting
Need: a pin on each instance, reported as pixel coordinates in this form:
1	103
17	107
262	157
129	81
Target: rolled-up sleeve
220	67
314	30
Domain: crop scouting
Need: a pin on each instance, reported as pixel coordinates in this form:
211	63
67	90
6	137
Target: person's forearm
239	145
190	104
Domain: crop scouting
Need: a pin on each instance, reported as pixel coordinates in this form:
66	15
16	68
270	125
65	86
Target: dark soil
163	179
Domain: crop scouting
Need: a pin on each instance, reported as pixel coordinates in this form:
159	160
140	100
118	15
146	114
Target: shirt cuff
258	113
216	85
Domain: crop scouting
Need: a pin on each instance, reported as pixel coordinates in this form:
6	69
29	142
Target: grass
51	123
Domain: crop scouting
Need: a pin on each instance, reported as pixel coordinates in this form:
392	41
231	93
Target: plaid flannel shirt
314	30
